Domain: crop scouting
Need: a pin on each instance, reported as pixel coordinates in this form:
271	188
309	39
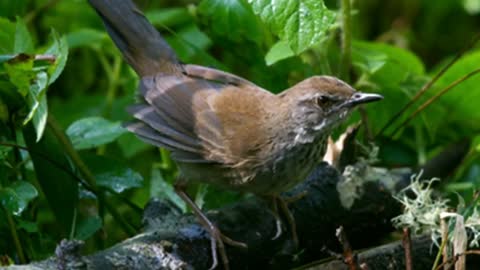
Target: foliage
67	167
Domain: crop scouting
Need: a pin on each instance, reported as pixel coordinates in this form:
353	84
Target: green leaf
301	23
37	102
6	57
7	36
189	42
161	189
277	52
112	174
55	176
168	16
86	37
466	93
387	64
28	226
20	72
23	40
88	227
232	18
59	48
16	197
93	131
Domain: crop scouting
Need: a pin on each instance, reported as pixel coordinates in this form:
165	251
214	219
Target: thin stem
16	240
86	173
346	40
71	152
439	254
112	84
127	227
432	99
407	246
429	84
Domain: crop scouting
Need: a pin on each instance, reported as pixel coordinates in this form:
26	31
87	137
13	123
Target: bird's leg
216	237
290	219
272	202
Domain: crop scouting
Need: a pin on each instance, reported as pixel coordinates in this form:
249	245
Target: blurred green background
47	195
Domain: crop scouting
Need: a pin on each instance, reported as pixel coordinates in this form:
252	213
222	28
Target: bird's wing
182	112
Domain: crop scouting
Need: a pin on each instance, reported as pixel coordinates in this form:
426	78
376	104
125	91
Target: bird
222	129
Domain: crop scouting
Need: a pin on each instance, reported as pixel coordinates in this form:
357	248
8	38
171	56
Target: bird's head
320	103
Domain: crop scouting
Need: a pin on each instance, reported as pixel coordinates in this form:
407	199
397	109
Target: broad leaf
93	131
55	175
23	40
88	227
278	52
301	23
16	197
113	174
232	18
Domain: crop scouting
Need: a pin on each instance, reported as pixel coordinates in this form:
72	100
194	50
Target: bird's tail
140	43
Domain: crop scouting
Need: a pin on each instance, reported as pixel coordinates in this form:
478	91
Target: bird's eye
323	101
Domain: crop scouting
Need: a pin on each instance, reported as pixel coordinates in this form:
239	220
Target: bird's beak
361	98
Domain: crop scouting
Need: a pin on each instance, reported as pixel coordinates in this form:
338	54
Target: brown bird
222	129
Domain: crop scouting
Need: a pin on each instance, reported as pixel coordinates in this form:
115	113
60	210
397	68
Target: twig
455	258
407	246
432	99
444	251
16	239
348	255
46	57
429	84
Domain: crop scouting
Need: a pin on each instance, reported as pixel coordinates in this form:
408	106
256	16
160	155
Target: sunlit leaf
59	48
37	102
301	23
277	52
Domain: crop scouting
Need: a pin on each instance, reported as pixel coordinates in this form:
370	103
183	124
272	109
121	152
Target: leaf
113	174
91	132
7	36
232	18
28	226
16	197
59	48
23	40
161	189
168	16
86	37
37	102
278	52
189	42
466	93
301	23
387	64
55	176
88	227
20	72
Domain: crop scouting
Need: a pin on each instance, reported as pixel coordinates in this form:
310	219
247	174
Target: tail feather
140	43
